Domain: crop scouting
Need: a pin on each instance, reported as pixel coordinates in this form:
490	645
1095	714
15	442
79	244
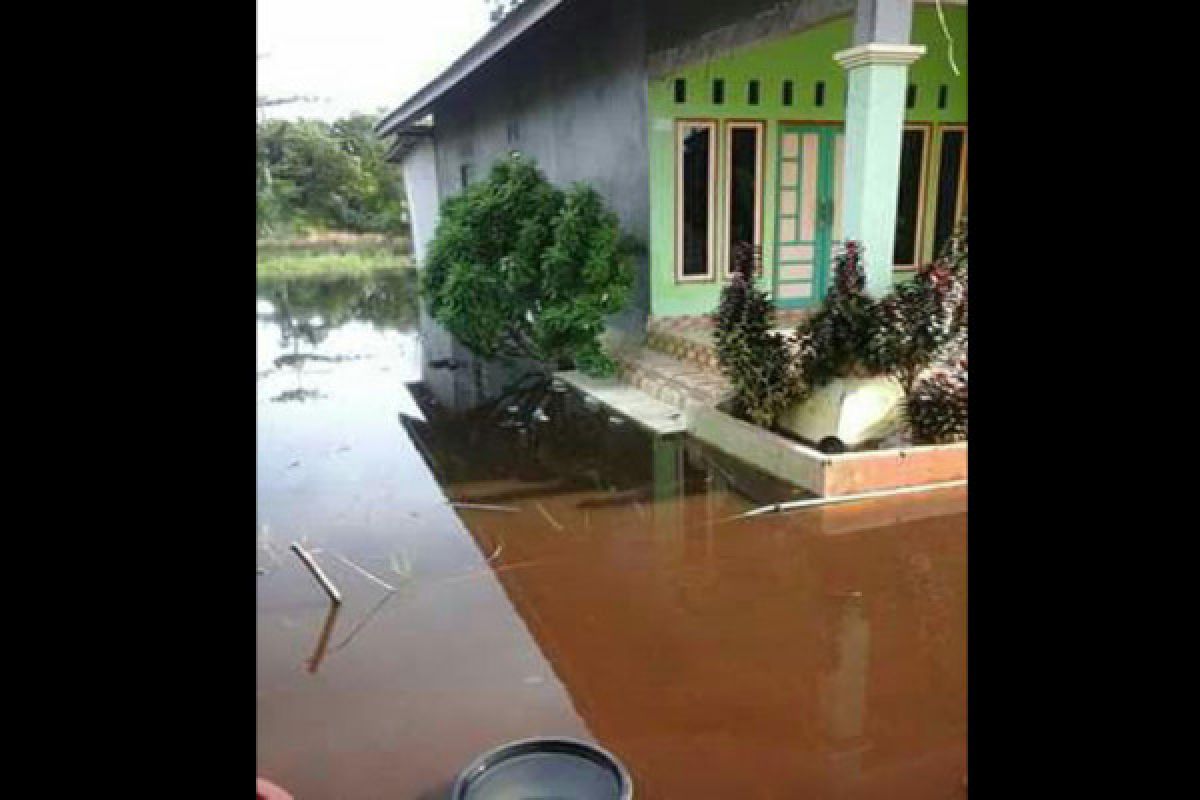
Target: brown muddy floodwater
819	654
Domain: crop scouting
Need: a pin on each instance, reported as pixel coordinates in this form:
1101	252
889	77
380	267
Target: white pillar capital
876	82
873	53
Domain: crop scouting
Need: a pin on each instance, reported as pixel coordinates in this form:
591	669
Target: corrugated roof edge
491	43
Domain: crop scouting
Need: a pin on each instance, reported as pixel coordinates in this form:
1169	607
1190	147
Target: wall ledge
877	53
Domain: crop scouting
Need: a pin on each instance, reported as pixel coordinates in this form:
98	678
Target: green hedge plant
520	268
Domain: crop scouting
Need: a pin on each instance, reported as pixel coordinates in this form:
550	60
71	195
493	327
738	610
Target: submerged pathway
651	414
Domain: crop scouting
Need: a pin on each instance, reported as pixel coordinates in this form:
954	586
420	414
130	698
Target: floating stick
846	498
546	514
485	507
362	571
326	584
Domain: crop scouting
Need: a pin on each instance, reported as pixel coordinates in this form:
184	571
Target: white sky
359	55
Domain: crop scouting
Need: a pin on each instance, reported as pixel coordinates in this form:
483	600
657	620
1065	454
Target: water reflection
303	312
589	583
314	662
400	689
307	309
765	654
817	654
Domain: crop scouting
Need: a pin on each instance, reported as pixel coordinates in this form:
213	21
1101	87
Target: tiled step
690	338
691	347
671	380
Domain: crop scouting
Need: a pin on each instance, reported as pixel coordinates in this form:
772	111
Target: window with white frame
695	199
743	186
951	201
910	202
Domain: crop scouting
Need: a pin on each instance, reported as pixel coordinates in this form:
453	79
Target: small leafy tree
755	360
520	268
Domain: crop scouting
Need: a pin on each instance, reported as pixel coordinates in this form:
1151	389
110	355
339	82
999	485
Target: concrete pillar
419	167
877	80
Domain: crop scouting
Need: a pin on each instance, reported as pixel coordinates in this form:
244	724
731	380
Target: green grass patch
291	258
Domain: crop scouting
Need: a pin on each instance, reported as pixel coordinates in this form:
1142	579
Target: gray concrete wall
573	91
883	21
421	187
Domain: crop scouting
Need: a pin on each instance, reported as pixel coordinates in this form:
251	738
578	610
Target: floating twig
485	507
326	584
264	544
542	509
274	559
813	502
403	570
362	571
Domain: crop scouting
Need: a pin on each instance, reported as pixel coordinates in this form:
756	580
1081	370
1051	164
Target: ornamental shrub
919	317
755	360
520	268
917	333
936	404
833	341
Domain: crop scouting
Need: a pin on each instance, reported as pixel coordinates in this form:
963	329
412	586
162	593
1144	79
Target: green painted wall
803	58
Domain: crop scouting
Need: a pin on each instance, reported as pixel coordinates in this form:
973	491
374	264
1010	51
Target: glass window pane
949	170
743	186
697	144
908	203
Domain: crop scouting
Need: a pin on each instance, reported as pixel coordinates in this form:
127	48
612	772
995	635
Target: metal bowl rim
497	755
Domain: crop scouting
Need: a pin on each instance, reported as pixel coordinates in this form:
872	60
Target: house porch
854	128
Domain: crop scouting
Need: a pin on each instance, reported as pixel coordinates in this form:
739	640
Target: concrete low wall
886	469
827	475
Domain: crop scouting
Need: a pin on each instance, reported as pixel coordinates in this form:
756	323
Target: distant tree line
501	8
316	176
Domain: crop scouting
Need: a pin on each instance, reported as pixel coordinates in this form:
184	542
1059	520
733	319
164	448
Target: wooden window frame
727	185
960	191
960	196
926	129
681	125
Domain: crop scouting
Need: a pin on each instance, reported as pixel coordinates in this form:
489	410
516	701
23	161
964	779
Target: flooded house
521	559
790	125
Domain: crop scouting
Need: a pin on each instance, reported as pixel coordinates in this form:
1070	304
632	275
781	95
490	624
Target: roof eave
490	44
